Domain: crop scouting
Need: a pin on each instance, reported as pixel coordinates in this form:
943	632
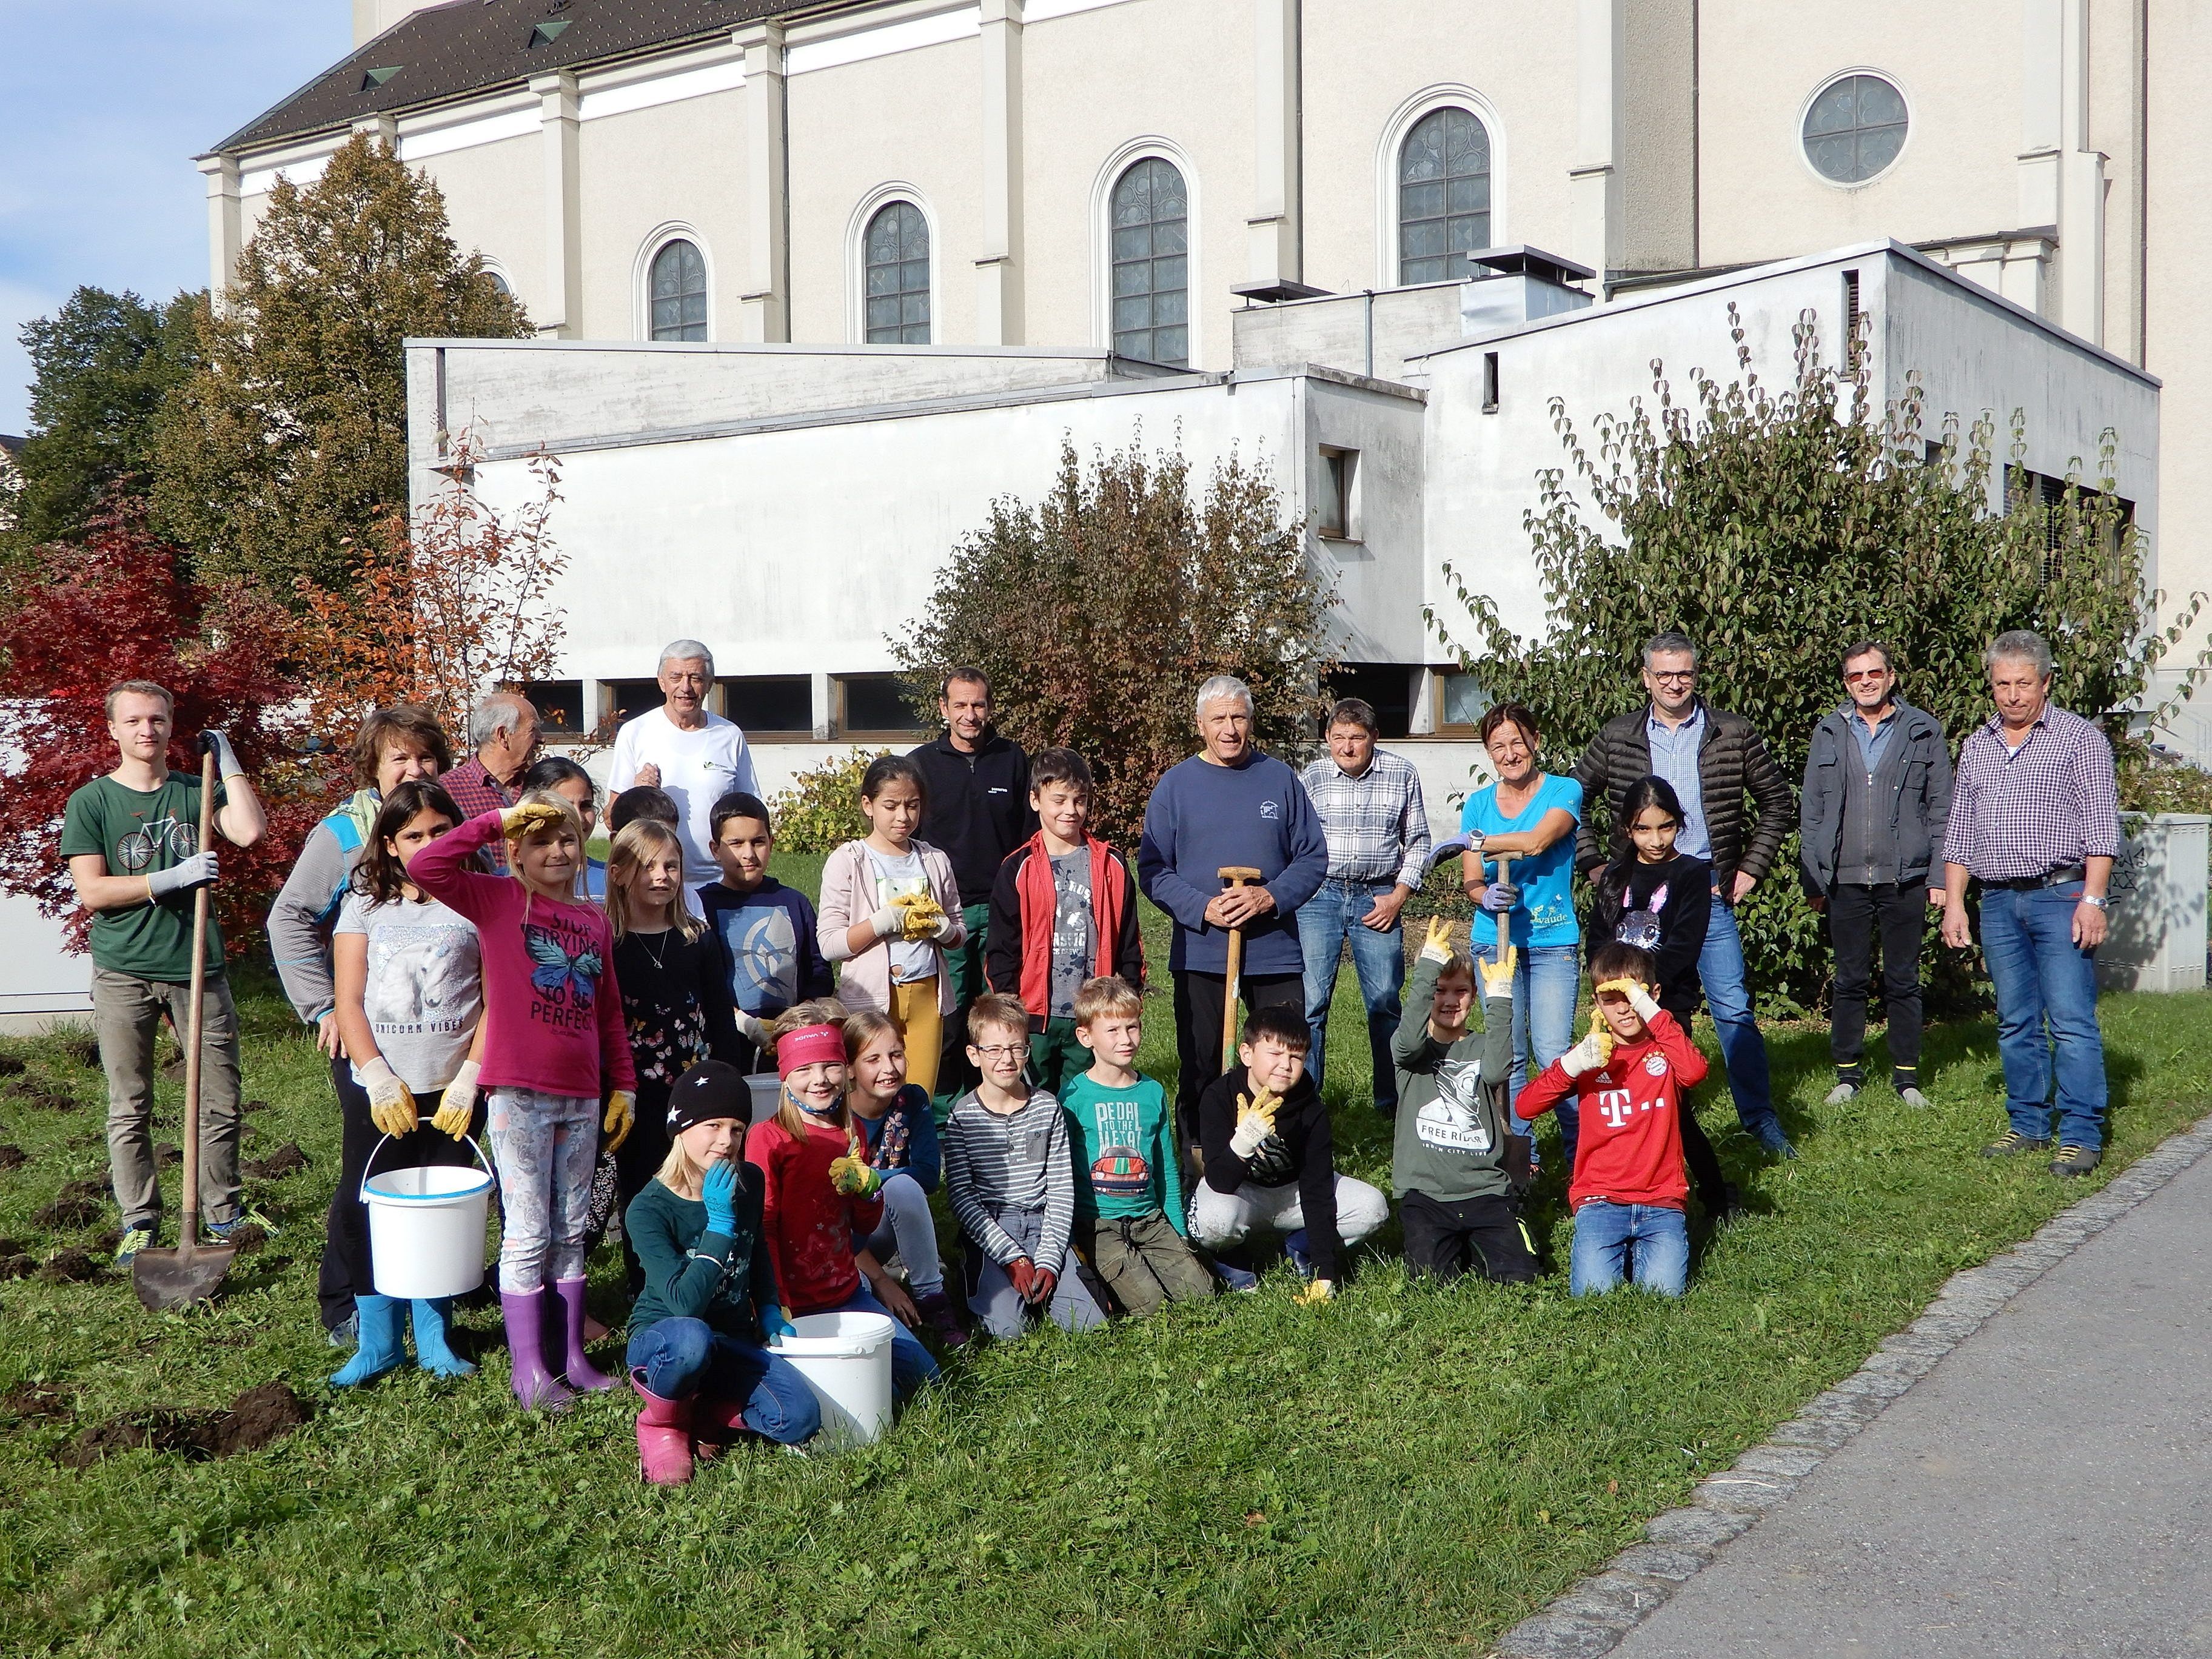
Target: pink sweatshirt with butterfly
553	1016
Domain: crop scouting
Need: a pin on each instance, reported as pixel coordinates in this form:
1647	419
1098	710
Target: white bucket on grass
767	1092
426	1227
846	1358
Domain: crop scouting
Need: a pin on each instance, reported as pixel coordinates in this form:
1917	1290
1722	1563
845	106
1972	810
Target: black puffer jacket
1732	760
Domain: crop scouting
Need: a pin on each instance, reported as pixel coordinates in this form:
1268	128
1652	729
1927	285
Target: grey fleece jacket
300	920
1448	1142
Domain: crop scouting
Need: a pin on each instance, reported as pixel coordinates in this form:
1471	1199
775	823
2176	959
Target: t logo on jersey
1616	1105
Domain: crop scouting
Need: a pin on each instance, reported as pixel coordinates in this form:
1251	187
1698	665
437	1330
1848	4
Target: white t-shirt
697	769
425	986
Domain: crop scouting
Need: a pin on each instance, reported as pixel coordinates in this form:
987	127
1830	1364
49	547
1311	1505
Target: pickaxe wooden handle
1232	876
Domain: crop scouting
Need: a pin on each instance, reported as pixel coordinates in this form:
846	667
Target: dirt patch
248	1236
258	1418
286	1160
11	1065
165	1154
68	1213
69	1268
18	1267
44	1097
13	1157
81	1046
255	1106
29	1399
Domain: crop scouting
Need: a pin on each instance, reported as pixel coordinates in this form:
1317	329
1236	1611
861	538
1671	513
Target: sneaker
2077	1160
346	1334
2012	1141
944	1319
1771	1138
1912	1098
1840	1093
135	1239
222	1231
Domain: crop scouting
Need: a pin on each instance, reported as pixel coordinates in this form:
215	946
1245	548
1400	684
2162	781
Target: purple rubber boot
565	1302
534	1386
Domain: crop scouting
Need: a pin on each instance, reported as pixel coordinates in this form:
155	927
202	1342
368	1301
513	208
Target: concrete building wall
645	176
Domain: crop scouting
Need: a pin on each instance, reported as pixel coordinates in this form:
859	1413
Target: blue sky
103	104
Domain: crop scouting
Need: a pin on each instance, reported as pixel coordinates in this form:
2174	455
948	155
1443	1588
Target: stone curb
1591	1618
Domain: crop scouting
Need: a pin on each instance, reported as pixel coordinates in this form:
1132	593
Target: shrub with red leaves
121	608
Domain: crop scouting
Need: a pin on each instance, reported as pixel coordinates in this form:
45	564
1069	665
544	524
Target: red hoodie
1628	1149
808	1224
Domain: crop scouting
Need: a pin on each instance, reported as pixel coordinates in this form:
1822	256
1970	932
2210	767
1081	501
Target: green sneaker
2012	1141
222	1231
2077	1160
135	1239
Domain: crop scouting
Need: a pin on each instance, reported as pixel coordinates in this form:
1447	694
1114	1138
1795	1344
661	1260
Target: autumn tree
123	607
442	607
1098	611
100	366
287	448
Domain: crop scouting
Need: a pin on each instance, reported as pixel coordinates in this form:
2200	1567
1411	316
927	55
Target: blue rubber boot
1295	1247
430	1350
379	1350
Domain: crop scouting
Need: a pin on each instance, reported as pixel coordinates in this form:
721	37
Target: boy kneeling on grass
1631	1073
1454	1160
1009	1177
1128	1181
1270	1158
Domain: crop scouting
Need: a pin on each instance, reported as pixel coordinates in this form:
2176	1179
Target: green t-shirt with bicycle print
139	831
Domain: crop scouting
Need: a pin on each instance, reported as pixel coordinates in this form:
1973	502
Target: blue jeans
1636	1244
2046	990
1325	921
1728	994
682	1357
1546	980
911	1365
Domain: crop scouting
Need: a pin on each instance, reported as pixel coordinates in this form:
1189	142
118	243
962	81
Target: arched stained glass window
896	256
1443	196
679	293
1152	264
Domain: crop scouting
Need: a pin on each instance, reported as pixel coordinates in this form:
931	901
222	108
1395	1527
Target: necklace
659	958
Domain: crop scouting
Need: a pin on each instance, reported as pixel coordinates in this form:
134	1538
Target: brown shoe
2077	1160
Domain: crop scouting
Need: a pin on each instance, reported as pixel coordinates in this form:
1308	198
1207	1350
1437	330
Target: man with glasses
1877	796
1713	759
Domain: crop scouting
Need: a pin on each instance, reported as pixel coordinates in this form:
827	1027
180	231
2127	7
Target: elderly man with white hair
684	747
503	732
1228	805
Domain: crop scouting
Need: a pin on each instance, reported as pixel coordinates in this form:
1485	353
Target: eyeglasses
1674	676
1000	1050
1867	674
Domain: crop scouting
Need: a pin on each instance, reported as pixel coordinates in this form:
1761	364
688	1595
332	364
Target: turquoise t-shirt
1545	914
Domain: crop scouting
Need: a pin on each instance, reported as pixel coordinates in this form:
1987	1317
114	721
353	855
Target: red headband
810	1045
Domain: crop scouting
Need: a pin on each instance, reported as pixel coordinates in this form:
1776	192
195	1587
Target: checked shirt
2052	803
1376	828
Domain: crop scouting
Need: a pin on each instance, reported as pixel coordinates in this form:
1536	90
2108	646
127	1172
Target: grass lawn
1408	1471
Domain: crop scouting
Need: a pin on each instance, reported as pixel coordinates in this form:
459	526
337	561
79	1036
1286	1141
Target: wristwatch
2093	898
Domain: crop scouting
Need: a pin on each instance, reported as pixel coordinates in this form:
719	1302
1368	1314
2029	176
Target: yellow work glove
1255	1121
1437	946
1320	1290
516	822
621	1113
1639	994
391	1103
1497	976
459	1104
924	916
852	1175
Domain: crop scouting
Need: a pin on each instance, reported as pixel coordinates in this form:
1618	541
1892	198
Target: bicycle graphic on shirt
139	849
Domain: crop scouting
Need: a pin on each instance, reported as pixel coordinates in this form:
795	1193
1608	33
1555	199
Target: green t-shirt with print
139	831
1125	1154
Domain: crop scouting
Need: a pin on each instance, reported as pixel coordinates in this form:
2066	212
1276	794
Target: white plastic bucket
767	1093
426	1227
846	1358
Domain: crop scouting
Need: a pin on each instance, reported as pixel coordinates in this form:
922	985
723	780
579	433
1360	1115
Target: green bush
821	810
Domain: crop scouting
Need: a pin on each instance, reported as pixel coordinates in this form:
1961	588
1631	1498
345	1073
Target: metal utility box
2156	940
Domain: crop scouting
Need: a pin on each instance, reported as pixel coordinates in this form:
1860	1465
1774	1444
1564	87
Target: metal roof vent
377	77
545	34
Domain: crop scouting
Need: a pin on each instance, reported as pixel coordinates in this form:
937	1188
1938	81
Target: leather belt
2063	873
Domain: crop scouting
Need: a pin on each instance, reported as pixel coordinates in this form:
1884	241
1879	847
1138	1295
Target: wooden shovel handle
188	1221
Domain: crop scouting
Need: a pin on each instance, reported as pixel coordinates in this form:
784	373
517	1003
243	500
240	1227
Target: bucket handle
369	1164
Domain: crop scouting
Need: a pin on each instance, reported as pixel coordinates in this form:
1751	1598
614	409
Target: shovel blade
176	1279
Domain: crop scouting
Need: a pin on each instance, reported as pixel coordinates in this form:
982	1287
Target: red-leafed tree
121	607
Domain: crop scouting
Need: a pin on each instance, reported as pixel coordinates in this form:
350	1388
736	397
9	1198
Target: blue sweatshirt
775	961
1202	817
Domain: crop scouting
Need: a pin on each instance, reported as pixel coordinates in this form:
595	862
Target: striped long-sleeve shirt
1017	1162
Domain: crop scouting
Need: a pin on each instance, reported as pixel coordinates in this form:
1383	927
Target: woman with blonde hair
704	1324
674	972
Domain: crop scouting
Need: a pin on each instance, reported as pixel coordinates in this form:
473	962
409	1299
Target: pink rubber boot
664	1437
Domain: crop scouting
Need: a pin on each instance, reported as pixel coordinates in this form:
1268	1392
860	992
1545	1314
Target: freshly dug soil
254	1106
18	1267
256	1419
69	1268
286	1160
29	1399
248	1236
44	1097
165	1154
11	1065
72	1210
13	1157
81	1046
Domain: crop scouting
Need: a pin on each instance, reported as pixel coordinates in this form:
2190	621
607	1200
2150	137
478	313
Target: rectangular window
1852	344
560	705
874	706
1336	506
1490	383
768	705
1460	703
1387	688
625	700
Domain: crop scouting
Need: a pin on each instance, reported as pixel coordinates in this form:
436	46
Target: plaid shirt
476	792
2016	814
1376	828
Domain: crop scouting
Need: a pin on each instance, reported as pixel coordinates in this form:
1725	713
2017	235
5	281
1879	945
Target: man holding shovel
1232	848
133	841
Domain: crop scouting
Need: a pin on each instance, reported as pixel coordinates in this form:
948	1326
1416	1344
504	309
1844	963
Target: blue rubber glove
1499	896
718	1191
774	1325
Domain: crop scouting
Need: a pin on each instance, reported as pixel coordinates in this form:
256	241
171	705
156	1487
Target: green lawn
1405	1472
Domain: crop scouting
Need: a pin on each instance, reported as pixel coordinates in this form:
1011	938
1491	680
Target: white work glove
391	1102
195	871
947	925
1437	946
889	922
226	758
1590	1054
1255	1121
459	1104
750	1029
1639	994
